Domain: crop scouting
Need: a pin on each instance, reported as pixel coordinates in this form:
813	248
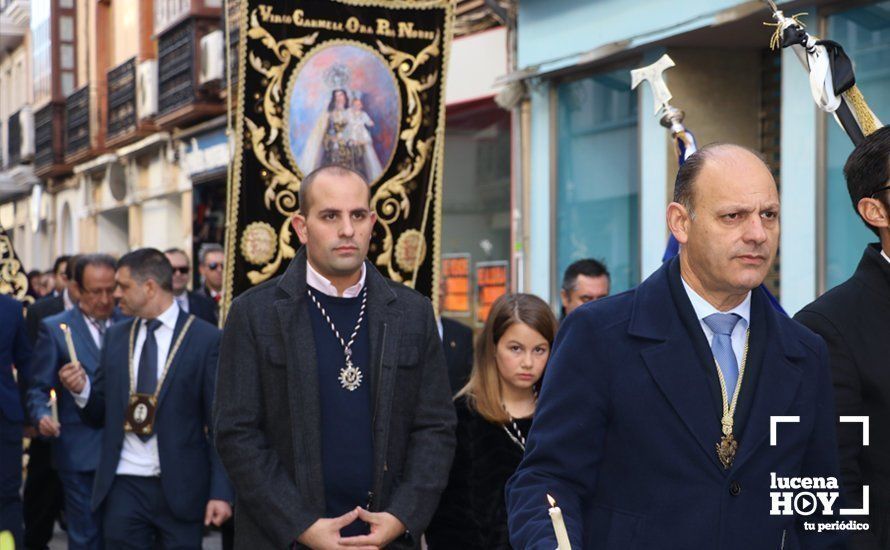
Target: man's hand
48	427
73	377
385	528
324	534
217	512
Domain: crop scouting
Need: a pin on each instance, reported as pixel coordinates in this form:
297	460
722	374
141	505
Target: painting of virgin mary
344	110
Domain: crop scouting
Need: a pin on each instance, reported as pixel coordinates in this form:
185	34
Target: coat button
735	488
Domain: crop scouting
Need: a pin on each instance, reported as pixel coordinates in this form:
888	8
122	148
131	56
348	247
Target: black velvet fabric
472	513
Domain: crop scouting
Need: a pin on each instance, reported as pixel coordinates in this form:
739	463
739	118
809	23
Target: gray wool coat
267	411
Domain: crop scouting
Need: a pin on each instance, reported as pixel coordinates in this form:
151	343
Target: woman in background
494	414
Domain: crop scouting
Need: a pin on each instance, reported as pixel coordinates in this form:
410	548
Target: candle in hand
559	526
53	406
72	353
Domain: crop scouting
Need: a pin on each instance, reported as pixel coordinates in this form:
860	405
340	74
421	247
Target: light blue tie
721	346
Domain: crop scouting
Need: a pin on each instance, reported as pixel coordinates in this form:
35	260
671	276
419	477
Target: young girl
494	414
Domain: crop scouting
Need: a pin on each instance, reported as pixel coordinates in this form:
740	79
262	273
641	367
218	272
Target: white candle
53	406
559	526
72	353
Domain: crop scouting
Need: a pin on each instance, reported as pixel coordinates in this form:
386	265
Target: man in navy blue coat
161	485
15	352
76	445
626	433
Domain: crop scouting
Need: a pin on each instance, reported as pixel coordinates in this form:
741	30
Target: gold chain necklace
728	444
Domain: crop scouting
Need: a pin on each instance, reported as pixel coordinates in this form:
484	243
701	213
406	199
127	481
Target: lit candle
53	406
72	353
559	526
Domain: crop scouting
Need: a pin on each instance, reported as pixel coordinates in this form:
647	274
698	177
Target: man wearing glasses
189	301
211	259
75	445
854	320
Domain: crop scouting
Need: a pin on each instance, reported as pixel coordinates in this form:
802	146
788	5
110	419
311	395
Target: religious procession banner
358	83
13	280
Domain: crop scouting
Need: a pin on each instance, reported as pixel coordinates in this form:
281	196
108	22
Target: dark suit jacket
268	419
41	309
203	307
77	447
15	350
627	422
854	320
191	473
457	339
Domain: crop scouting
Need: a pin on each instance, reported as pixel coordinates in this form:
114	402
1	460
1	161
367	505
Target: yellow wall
124	32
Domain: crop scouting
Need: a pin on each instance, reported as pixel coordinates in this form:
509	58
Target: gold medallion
350	377
726	450
141	414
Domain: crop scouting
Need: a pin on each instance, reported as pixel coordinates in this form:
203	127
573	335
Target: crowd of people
337	410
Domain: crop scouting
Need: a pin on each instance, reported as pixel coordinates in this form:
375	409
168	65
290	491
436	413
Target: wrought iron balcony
176	67
121	99
48	140
77	121
14	140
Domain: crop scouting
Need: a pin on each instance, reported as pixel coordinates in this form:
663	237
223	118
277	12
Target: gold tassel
864	116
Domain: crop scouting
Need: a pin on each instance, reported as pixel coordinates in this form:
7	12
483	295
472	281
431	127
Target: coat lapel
177	330
302	373
777	385
83	338
676	364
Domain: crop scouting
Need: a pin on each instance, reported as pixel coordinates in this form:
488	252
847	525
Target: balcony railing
77	121
14	140
48	124
176	67
122	99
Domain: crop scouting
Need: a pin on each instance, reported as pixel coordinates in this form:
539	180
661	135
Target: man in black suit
43	497
333	414
55	303
159	480
189	301
854	319
457	341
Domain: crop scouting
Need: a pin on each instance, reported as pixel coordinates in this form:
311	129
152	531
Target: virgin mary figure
330	141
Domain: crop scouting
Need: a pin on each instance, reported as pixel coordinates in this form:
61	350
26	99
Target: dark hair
34	273
72	264
868	169
333	102
97	260
692	167
587	267
331	170
206	249
149	263
483	390
59	261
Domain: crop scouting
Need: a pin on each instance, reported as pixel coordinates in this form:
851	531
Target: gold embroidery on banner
13	280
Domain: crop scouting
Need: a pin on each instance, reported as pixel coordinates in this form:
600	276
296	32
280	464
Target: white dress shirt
66	299
140	458
94	330
317	281
703	308
886	257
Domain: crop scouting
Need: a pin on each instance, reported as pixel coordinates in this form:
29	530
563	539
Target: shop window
597	181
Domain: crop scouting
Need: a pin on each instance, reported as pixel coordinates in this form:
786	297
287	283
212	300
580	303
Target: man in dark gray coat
333	412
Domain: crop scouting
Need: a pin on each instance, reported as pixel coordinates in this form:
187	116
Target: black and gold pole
832	80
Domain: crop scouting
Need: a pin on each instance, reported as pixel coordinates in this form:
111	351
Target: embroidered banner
13	280
352	82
